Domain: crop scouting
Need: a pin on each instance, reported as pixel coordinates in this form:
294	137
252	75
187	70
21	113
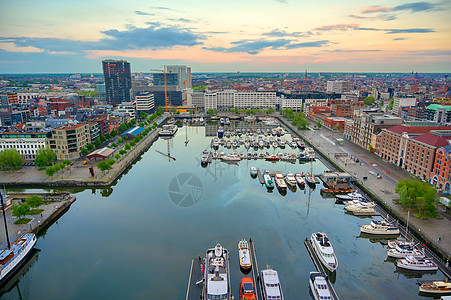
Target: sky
74	36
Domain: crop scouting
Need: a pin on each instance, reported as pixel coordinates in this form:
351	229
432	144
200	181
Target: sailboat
13	256
310	177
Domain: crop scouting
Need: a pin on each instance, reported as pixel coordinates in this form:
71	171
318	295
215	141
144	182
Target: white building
294	104
144	102
198	99
211	101
127	108
314	102
225	100
401	102
338	86
26	143
256	100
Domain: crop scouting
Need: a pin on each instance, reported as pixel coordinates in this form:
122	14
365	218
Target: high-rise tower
118	81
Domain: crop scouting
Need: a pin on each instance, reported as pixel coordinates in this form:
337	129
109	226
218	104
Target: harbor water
136	239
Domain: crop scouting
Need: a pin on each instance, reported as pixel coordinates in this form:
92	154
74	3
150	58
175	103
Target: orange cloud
371	10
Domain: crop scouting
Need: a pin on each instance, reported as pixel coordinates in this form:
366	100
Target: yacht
271	288
168	130
231	158
280	182
220	132
324	250
310	179
436	288
379	227
247	289
319	286
348	197
416	264
361	208
400	243
217	274
404	251
253	171
11	258
290	179
268	181
204	158
244	254
299	179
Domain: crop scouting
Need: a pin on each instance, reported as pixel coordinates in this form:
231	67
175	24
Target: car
365	178
357	160
373	164
387	172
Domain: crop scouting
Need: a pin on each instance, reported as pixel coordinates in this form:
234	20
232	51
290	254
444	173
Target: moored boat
300	181
231	158
272	158
281	184
289	178
247	289
416	264
404	251
319	287
253	171
168	130
217	274
348	197
401	243
268	181
12	258
324	250
380	228
271	288
437	287
220	132
244	254
310	179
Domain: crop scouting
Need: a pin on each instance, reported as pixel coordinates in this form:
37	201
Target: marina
277	224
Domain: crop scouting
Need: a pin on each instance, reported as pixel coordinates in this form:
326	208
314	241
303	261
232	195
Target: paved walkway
384	188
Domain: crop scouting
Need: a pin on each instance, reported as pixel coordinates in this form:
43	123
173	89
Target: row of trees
11	158
417	195
50	171
251	111
297	118
24	209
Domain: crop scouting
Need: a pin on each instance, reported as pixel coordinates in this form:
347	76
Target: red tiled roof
432	139
400	129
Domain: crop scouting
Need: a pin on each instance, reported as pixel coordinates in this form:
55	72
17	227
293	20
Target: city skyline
256	36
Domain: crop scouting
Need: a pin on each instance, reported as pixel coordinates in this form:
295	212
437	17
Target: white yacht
231	158
168	130
400	252
348	197
319	287
280	182
416	264
290	179
379	227
324	250
401	243
253	171
271	288
217	274
361	209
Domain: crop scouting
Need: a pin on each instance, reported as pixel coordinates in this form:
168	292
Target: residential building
198	99
258	100
338	86
225	100
118	81
336	123
26	143
68	140
402	102
341	110
144	102
127	108
438	113
441	170
211	101
294	104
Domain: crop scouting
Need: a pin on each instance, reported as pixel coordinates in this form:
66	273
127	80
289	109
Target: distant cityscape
403	118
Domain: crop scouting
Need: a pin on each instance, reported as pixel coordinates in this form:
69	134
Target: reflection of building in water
211	129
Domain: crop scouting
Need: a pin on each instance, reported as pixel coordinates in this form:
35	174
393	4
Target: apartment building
127	108
26	143
441	170
68	140
338	86
144	102
258	100
438	113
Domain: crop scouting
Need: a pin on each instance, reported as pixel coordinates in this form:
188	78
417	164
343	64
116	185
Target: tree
122	128
318	124
97	142
119	140
103	138
113	133
20	211
90	146
417	194
50	171
132	143
122	151
392	102
103	166
369	100
45	157
10	158
127	146
108	136
111	161
84	151
34	201
117	156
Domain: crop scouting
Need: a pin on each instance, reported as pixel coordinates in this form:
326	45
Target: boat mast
4	219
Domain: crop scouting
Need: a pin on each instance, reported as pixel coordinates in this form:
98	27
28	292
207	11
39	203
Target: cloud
409	30
131	39
142	13
282	1
307	44
342	27
161	8
399	39
431	52
375	9
183	20
251	46
351	51
283	33
416	6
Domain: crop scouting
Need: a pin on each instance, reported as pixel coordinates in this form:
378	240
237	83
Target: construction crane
184	90
165	86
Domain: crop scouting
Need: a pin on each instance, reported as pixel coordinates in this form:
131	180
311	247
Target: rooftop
433	140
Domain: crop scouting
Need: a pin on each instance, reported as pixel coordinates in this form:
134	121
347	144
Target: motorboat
361	208
416	264
272	157
222	121
319	287
168	130
204	158
271	288
281	184
268	181
227	121
324	250
253	171
379	227
349	197
437	287
217	274
310	179
290	179
244	254
404	251
300	181
400	243
220	132
15	255
231	158
247	289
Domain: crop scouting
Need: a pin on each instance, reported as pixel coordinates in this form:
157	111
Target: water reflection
23	276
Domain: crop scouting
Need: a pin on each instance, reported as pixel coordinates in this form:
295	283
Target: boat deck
195	281
319	266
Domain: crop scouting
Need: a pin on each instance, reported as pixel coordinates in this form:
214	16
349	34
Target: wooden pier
319	266
195	281
255	272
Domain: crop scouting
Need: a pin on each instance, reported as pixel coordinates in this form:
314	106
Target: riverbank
79	175
381	190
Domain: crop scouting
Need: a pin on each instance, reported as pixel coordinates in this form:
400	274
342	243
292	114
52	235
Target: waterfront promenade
324	140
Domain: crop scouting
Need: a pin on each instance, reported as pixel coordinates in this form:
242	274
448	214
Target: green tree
45	157
34	201
132	143
111	161
84	151
119	140
392	102
122	128
117	156
108	136
103	138
103	166
113	133
114	145
122	151
417	194
50	171
10	158
318	124
127	146
97	142
90	147
133	122
369	100
20	211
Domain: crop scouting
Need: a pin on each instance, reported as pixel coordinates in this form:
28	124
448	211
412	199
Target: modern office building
144	102
101	91
68	140
26	143
183	73
172	79
127	108
118	81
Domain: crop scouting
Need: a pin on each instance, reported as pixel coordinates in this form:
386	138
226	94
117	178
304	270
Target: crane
184	90
165	85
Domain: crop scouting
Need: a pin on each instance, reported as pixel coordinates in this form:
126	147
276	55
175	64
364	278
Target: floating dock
319	267
195	281
255	272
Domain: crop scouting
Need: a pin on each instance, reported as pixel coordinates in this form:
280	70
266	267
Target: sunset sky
64	36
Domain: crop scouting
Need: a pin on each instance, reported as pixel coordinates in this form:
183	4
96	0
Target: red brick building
441	170
334	123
